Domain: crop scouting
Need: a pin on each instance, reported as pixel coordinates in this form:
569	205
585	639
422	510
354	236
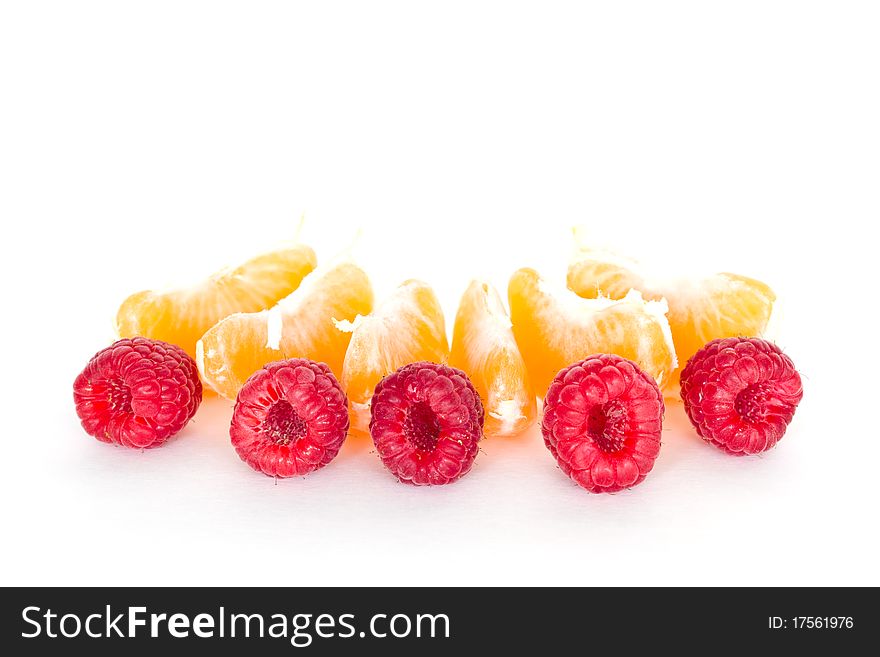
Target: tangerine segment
483	346
299	326
181	316
719	306
557	328
407	327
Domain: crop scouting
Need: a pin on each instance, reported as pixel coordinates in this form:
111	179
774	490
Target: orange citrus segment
484	348
405	328
181	316
299	326
555	328
602	274
719	306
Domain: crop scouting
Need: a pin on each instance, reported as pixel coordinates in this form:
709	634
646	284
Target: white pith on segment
208	294
274	327
292	325
584	312
697	300
491	339
388	337
706	307
274	318
711	295
508	413
299	304
203	357
302	304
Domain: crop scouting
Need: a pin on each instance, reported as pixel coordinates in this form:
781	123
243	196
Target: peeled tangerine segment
700	310
181	316
299	326
484	347
555	328
405	328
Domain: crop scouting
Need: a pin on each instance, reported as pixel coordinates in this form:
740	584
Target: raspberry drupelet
290	418
137	392
740	394
426	422
602	422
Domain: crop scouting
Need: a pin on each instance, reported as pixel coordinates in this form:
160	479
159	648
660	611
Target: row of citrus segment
280	305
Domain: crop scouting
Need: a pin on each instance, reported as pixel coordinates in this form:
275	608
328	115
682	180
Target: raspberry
137	392
740	394
290	418
426	420
602	422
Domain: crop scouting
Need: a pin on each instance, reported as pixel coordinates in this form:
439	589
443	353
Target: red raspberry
290	418
137	392
426	420
740	394
602	422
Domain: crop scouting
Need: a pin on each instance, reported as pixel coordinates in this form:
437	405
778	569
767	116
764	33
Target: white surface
142	144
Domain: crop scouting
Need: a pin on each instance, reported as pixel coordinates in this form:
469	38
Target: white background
148	143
